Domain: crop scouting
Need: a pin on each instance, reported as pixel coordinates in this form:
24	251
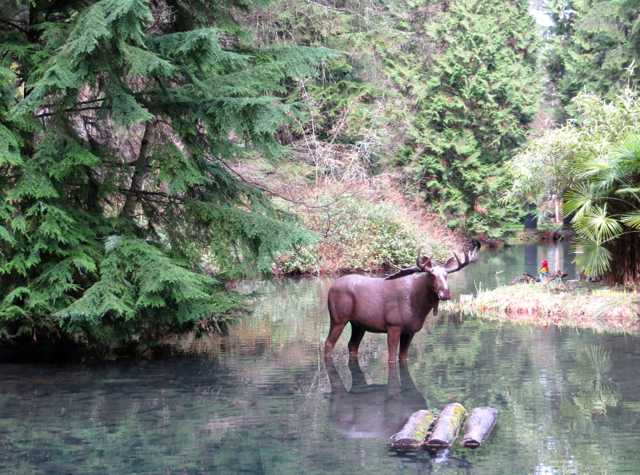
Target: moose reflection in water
397	305
377	411
372	410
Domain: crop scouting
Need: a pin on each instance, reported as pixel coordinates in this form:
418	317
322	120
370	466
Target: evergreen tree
481	94
410	93
359	112
594	47
118	123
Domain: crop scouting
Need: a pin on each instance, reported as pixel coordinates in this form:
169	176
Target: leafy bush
364	229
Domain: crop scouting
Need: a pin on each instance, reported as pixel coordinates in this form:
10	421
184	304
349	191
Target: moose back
397	305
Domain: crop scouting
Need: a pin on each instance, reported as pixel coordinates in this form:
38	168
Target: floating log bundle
479	425
421	430
412	434
447	426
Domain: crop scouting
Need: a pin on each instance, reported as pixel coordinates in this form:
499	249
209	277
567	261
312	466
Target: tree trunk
479	426
447	426
140	171
413	432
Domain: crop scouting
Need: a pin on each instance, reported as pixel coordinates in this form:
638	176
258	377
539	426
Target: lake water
263	401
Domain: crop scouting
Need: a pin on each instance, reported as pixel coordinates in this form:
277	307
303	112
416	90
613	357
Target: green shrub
364	230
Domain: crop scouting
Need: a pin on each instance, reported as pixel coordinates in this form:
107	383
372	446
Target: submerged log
526	277
447	426
413	432
529	279
479	425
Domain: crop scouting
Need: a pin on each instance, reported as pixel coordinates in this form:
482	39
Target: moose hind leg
405	341
356	337
334	333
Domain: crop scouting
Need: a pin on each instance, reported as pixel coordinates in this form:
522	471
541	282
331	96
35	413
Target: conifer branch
154	193
49	114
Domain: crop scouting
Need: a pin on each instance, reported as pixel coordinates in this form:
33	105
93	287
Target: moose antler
404	271
468	257
425	264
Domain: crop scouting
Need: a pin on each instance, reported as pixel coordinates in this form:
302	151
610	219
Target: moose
396	305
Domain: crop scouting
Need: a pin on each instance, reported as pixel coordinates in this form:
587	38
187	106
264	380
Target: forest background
153	151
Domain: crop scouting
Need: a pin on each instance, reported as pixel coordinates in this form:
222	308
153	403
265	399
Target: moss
414	431
447	425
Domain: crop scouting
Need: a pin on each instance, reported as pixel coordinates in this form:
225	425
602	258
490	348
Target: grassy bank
584	305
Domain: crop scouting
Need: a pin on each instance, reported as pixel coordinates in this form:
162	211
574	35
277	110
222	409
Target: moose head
438	283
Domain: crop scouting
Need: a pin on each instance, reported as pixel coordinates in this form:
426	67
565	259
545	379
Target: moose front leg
393	337
405	341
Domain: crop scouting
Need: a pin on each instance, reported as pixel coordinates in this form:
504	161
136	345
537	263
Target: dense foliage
365	229
118	121
592	53
438	94
543	168
591	162
594	47
481	94
607	211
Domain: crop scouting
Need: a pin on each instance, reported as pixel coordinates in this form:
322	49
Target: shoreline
572	303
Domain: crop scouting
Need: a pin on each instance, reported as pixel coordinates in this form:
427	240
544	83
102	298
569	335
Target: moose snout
444	295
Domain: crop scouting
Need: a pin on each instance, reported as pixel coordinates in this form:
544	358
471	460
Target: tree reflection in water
594	396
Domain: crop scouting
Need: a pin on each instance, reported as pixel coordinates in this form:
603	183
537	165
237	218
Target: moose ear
450	263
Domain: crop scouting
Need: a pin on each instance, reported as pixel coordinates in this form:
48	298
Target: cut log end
479	425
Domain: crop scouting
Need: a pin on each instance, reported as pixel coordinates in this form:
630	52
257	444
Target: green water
263	401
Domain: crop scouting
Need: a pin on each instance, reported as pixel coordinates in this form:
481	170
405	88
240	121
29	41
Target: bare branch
275	193
13	25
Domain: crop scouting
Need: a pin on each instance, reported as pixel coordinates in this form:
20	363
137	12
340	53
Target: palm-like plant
607	211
